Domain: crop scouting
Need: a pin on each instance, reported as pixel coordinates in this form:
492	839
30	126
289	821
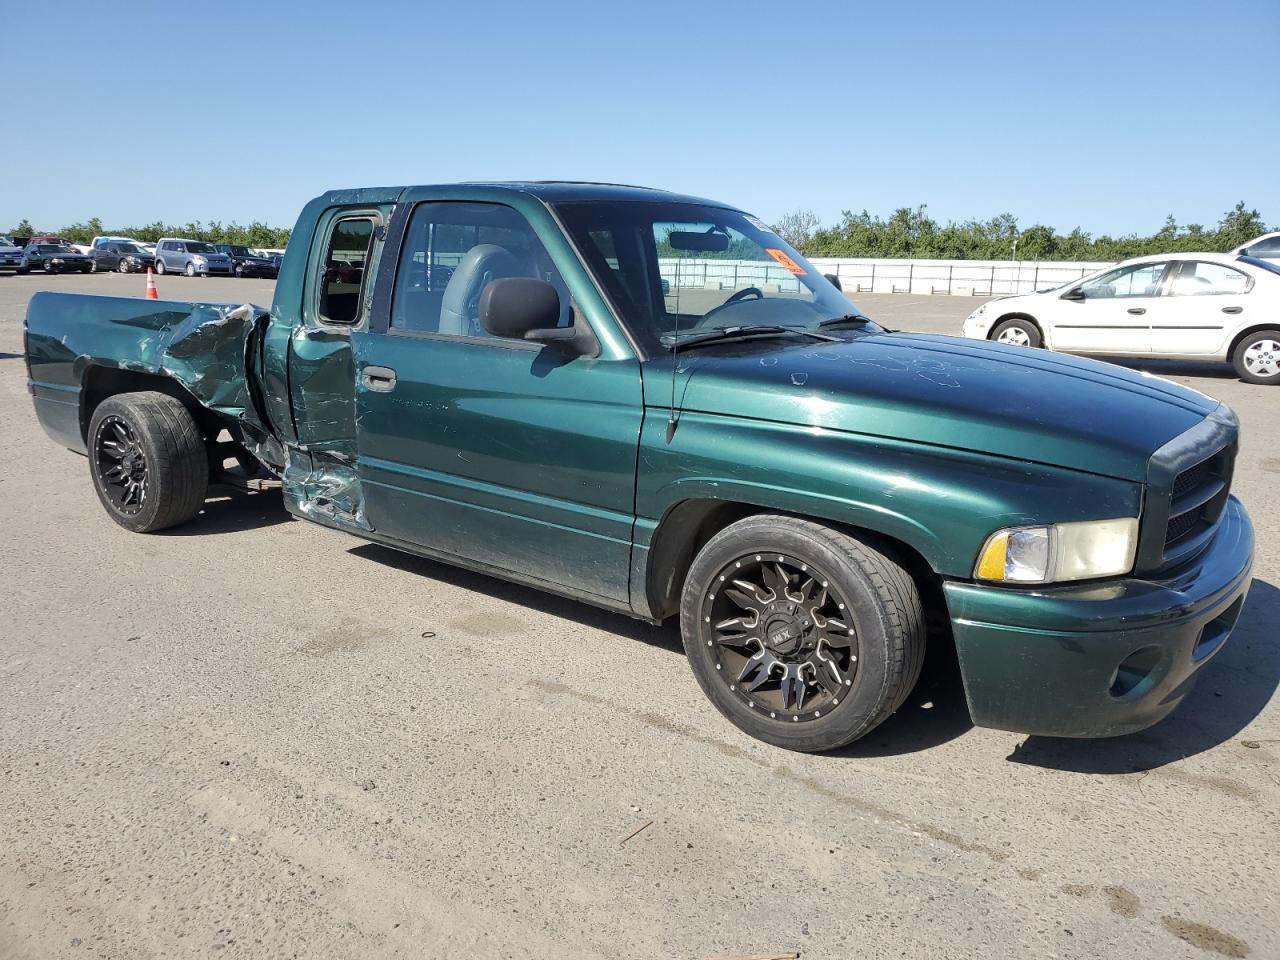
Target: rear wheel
1018	333
148	461
802	636
1257	357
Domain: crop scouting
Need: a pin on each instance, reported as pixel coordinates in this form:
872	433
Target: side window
451	251
1138	281
342	281
1198	278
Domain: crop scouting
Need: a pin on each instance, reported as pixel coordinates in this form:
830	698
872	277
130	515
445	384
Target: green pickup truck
652	403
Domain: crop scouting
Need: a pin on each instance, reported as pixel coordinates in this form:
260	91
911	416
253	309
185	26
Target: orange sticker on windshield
786	261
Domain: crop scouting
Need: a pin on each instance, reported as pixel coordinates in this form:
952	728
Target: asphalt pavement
254	737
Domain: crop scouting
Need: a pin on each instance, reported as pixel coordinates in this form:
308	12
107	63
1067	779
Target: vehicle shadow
934	713
665	637
232	510
1232	689
1213	369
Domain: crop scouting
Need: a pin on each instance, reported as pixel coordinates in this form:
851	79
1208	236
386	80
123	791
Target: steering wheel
736	297
742	295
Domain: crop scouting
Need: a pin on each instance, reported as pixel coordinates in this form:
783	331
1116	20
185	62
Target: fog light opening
1136	673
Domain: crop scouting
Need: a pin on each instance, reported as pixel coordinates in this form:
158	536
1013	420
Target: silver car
195	258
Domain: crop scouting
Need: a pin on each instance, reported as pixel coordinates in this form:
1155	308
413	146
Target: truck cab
652	403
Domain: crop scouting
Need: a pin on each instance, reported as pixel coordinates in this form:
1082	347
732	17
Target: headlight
198	259
1059	552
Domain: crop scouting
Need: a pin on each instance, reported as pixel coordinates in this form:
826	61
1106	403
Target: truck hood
944	391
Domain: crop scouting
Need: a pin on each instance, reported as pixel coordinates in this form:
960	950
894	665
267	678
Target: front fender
941	502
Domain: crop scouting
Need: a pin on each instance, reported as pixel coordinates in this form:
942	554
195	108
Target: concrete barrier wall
982	278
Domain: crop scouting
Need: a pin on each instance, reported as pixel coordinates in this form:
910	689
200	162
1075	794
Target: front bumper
1100	659
976	327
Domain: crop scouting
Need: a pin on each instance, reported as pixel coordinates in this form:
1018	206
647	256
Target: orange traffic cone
151	286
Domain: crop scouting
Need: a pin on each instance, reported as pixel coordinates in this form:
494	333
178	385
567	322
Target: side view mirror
1075	293
835	281
521	308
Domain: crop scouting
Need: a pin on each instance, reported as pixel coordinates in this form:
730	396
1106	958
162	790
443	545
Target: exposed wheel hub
788	631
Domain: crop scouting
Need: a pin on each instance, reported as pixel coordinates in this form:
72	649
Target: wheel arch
688	524
102	381
1017	315
1248	331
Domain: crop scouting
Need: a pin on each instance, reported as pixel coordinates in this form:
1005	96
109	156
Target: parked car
10	254
246	263
1265	247
192	257
117	255
99	241
803	488
53	258
1193	306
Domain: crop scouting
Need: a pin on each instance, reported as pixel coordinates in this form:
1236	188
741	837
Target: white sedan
1192	306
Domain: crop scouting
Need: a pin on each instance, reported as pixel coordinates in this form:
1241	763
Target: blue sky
1106	115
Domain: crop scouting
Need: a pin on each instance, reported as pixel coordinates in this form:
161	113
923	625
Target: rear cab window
344	267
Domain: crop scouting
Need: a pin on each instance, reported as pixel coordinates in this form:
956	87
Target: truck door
513	455
320	480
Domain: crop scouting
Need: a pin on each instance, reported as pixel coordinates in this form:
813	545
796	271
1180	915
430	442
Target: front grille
1197	497
1189	480
1180	526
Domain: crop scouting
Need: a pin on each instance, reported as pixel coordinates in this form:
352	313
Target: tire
884	639
1018	333
239	271
1257	357
190	271
159	267
166	454
122	266
22	271
87	269
49	268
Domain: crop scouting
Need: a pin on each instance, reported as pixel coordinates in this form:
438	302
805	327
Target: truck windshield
669	265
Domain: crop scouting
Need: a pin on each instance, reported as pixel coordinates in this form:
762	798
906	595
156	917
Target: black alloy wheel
782	642
122	464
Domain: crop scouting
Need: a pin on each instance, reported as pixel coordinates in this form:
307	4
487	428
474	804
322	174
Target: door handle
1233	309
1137	311
378	379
